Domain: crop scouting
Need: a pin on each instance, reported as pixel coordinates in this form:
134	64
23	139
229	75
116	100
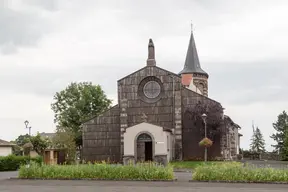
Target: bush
12	162
147	171
235	171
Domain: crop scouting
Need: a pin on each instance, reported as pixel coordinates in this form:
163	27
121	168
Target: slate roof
5	143
47	135
226	117
192	64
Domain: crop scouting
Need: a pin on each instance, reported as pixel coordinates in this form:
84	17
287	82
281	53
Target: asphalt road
112	186
6	175
108	186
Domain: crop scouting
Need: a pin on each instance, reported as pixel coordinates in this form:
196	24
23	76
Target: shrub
143	171
12	162
235	171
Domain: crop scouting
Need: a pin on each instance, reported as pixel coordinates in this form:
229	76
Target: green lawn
191	164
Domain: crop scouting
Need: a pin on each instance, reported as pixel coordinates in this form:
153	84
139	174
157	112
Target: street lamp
26	125
204	117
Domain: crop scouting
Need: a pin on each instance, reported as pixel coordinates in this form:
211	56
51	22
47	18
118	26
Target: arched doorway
144	147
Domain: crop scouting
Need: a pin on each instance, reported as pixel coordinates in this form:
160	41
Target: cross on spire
192	64
191	26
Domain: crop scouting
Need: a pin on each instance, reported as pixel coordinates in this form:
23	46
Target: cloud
45	45
20	27
50	5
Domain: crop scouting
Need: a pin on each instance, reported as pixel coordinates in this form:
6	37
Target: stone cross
144	117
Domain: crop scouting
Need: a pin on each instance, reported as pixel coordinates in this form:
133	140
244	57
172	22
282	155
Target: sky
45	45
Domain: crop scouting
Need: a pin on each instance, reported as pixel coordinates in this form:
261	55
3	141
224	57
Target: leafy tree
257	141
16	150
285	147
64	140
281	128
39	144
22	139
76	103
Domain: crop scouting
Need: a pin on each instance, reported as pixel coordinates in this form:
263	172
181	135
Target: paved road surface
5	175
108	186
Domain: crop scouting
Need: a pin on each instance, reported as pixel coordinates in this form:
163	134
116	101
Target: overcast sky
44	45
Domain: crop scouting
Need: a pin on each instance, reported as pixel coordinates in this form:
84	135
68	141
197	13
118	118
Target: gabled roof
226	117
5	143
165	129
172	73
101	114
192	64
47	135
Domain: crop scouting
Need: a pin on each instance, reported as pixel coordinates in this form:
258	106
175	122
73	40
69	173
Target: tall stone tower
192	74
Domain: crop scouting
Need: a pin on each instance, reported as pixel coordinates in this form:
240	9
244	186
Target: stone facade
162	111
201	82
161	98
101	137
232	138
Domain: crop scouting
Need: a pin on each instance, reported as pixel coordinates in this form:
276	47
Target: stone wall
101	137
134	108
201	82
194	127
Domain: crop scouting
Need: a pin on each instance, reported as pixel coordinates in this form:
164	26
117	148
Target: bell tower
193	76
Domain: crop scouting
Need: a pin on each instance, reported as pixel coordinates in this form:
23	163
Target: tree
20	142
39	144
285	147
76	103
64	140
22	139
16	149
257	141
281	128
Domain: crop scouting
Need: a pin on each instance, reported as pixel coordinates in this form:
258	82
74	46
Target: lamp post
204	117
26	125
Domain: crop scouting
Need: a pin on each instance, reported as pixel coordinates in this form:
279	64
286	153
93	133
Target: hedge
13	163
141	171
235	171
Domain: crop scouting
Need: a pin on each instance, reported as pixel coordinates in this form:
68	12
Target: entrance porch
147	142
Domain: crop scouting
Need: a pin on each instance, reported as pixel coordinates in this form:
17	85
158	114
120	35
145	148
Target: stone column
123	122
178	126
51	157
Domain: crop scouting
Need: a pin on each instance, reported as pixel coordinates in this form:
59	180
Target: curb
247	182
182	171
91	179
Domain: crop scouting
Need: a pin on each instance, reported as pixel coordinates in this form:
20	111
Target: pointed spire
151	54
192	64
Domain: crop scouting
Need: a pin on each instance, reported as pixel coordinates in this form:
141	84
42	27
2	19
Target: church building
162	116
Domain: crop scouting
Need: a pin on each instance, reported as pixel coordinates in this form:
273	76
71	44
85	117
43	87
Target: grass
192	164
147	171
235	171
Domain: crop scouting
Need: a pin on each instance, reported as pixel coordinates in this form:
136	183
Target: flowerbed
238	173
12	162
147	171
